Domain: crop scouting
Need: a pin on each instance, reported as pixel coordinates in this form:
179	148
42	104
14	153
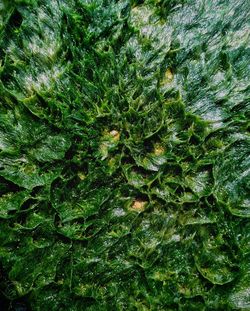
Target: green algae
124	154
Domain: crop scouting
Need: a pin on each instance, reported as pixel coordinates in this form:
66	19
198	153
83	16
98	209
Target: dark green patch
124	155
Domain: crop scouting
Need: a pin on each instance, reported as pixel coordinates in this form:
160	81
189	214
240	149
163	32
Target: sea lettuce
124	155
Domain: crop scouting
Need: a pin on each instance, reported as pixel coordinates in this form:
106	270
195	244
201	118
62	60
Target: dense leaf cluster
124	154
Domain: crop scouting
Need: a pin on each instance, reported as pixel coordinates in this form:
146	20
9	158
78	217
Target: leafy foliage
124	154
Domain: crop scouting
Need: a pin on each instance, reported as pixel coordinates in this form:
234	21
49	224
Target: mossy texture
124	154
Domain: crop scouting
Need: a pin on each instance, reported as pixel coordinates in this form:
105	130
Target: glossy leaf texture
124	154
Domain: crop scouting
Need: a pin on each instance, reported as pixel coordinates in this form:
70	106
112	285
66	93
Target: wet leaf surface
124	155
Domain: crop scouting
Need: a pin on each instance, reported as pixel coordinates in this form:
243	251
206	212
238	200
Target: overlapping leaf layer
124	154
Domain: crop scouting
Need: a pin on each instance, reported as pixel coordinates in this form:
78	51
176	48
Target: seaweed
124	155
